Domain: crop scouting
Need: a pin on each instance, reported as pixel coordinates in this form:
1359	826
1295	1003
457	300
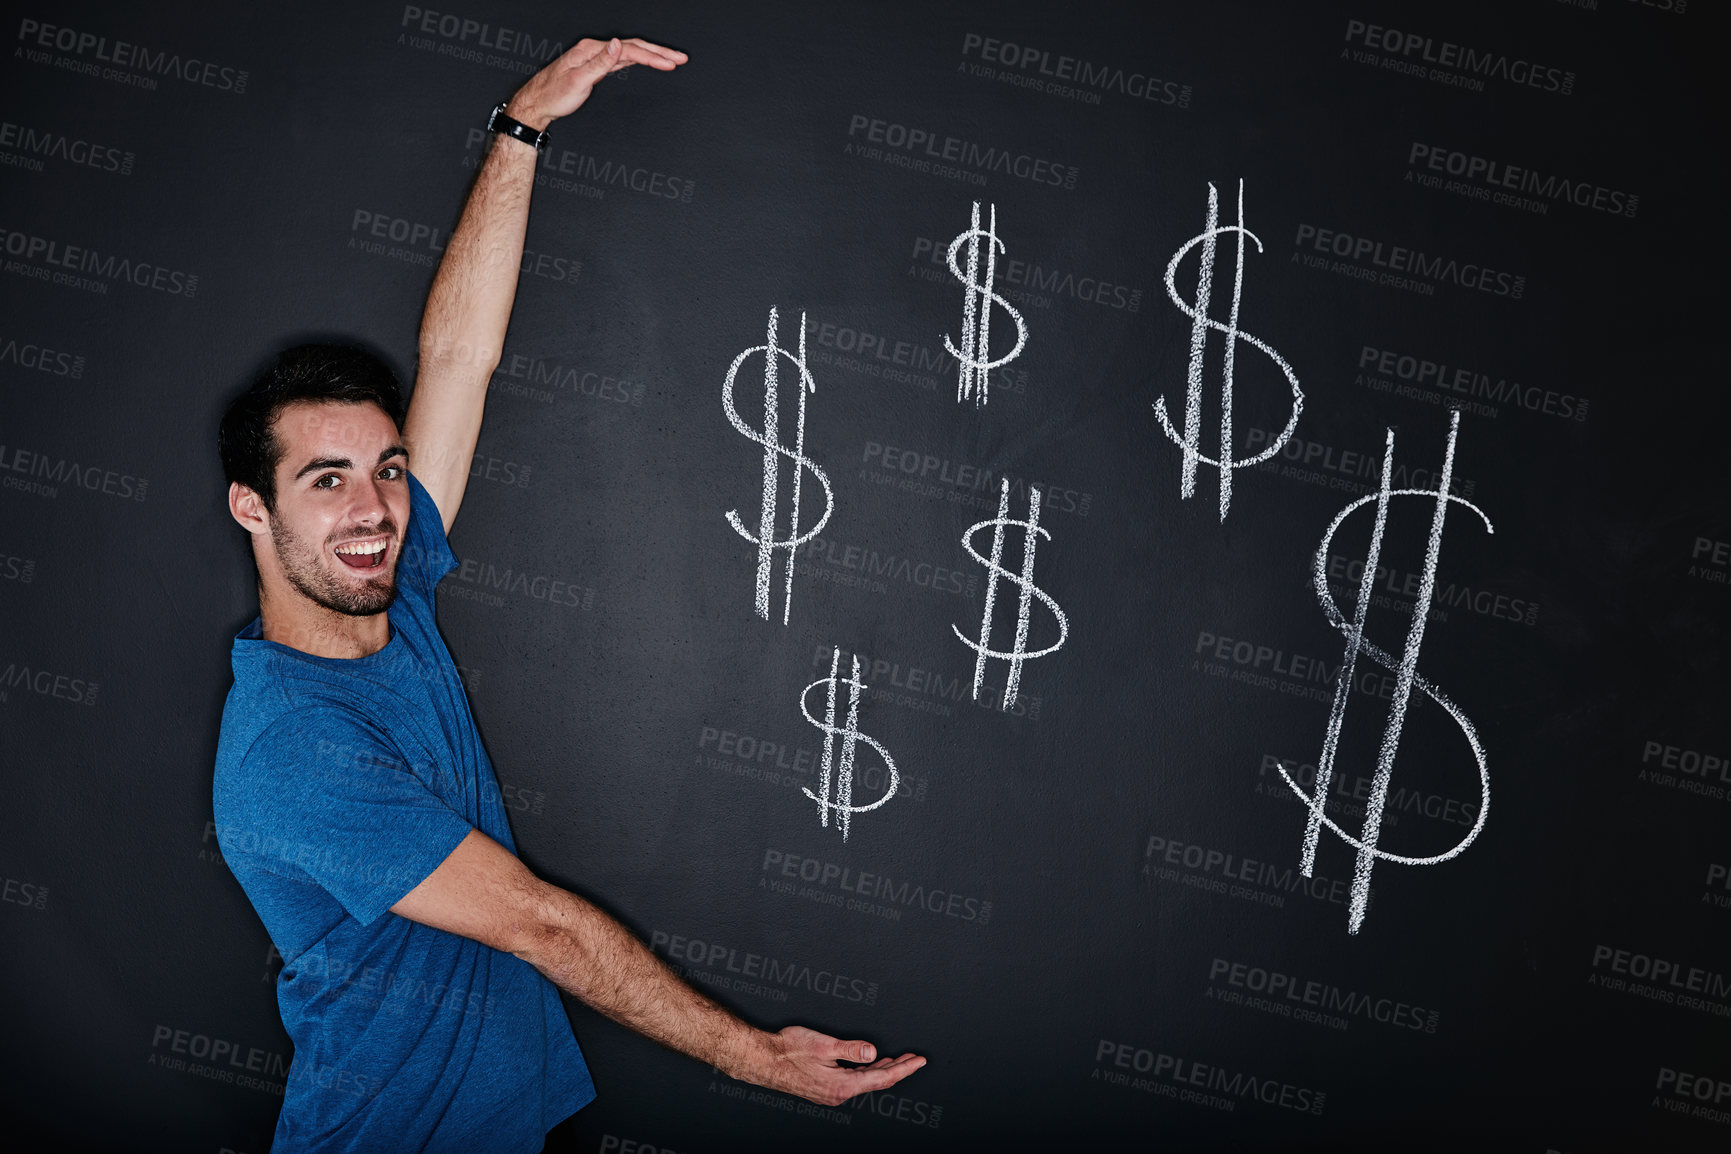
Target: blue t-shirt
340	785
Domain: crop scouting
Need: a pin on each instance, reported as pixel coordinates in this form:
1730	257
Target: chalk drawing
773	451
975	354
1190	440
1019	652
1406	680
835	776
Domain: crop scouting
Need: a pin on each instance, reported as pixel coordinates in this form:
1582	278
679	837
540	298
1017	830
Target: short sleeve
426	555
328	798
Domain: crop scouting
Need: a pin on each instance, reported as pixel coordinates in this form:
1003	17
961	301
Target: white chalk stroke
975	354
1191	439
1407	679
835	776
773	450
1019	652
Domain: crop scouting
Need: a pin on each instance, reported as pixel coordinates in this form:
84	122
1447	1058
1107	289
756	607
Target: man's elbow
555	932
532	927
534	942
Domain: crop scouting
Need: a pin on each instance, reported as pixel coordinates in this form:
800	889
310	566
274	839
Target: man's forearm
469	306
596	960
484	892
463	326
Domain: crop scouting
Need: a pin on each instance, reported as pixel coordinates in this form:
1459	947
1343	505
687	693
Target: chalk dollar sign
975	354
839	773
773	451
1019	651
1191	438
1407	678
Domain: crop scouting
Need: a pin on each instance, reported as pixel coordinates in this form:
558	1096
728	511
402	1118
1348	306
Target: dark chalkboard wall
1087	909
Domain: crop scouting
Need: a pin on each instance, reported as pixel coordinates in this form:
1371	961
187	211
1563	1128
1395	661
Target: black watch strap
499	122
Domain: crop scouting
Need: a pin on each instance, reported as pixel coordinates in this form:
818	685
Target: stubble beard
300	564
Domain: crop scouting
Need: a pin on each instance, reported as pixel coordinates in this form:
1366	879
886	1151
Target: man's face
342	504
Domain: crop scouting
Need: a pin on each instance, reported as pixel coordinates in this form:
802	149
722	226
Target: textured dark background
1027	923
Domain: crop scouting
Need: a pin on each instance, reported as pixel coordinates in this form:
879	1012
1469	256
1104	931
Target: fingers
617	54
643	52
882	1075
840	1085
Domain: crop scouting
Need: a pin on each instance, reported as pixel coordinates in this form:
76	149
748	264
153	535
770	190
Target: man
354	800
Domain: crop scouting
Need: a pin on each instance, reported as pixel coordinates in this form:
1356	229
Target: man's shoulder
299	720
294	751
302	708
426	555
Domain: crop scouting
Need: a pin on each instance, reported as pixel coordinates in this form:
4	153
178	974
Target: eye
330	477
391	473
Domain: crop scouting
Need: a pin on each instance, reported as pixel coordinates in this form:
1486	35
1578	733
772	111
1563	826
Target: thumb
602	62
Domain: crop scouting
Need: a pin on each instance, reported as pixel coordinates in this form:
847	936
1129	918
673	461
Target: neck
298	622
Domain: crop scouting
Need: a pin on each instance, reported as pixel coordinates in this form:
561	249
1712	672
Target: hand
804	1062
561	88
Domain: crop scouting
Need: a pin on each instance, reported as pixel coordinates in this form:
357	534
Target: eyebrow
322	463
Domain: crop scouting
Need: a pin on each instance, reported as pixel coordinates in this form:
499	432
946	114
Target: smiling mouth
362	554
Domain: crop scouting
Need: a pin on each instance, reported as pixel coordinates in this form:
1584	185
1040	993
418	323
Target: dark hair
247	440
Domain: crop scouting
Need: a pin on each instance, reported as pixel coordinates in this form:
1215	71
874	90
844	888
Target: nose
367	502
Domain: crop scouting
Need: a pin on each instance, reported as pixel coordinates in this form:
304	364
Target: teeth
375	547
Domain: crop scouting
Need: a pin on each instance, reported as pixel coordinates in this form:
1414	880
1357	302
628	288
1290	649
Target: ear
247	507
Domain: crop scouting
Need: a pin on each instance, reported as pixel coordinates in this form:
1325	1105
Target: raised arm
482	891
469	307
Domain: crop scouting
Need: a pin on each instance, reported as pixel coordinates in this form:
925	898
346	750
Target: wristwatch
499	122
